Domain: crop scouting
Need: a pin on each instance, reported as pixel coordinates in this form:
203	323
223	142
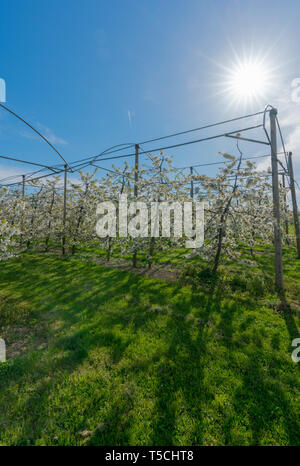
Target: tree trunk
151	252
108	255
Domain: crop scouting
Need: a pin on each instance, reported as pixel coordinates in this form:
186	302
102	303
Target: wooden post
192	183
276	207
64	213
136	179
286	223
294	202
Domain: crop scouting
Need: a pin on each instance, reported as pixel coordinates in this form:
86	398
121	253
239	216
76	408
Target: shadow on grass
141	331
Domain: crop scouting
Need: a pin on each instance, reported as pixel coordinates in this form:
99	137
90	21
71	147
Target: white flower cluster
238	209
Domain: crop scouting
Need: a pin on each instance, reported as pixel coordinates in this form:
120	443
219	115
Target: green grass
108	357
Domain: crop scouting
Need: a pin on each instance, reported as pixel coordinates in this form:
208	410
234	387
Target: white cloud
49	134
264	164
12	173
131	115
289	119
28	134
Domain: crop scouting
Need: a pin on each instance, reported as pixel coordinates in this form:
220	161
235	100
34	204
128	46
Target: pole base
282	306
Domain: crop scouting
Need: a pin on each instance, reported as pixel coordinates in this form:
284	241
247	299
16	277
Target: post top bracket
273	111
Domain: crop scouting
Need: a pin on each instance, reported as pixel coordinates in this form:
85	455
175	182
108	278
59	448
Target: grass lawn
103	356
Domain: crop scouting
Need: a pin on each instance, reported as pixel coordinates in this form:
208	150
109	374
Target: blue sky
91	74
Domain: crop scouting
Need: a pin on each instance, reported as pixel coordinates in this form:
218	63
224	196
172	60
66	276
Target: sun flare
249	81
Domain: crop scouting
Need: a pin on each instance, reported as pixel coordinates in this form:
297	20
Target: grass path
101	356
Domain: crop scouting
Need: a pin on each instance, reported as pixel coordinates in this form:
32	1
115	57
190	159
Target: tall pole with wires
23	198
64	213
286	223
192	183
136	180
23	186
136	170
294	203
276	206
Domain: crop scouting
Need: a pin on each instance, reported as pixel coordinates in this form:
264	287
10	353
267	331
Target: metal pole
23	197
276	207
294	202
136	179
23	186
136	173
192	183
286	223
64	212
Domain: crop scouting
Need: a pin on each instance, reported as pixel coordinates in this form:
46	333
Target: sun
248	81
248	77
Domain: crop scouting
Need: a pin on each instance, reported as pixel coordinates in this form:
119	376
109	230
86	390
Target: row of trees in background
238	209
